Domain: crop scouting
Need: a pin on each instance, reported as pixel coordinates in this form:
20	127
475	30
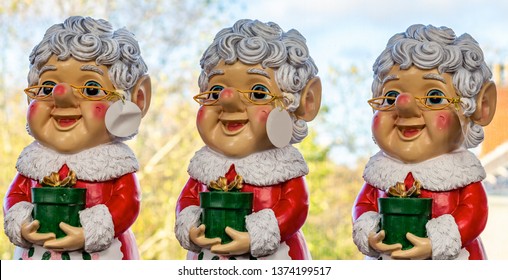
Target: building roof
496	167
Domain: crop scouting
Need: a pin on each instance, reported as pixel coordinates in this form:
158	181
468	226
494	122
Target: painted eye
93	89
259	95
215	95
436	97
46	90
392	94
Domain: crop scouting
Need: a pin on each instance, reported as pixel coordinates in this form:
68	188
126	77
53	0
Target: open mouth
66	122
410	132
233	127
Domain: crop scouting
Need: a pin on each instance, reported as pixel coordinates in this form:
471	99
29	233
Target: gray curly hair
254	42
429	47
88	39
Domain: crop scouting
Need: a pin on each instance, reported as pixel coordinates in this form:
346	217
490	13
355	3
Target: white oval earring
279	127
123	118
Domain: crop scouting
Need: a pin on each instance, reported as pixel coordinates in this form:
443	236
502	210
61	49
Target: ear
310	100
485	104
141	93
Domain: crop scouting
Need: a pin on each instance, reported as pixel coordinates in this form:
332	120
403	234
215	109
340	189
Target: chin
235	152
63	147
413	157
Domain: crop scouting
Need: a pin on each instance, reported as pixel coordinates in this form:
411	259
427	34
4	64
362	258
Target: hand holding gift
431	96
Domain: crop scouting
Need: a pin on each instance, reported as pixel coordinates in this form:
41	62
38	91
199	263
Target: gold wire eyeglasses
92	93
256	97
387	103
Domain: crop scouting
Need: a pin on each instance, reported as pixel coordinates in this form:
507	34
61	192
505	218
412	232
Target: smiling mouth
233	127
66	122
410	132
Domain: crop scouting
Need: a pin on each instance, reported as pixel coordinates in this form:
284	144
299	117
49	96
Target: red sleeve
471	213
189	195
19	190
292	208
124	203
365	201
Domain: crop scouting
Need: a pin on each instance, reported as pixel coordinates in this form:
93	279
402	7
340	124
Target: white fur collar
101	163
260	169
443	173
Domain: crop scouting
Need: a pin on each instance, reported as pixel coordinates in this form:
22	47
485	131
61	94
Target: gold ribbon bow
53	180
399	190
222	184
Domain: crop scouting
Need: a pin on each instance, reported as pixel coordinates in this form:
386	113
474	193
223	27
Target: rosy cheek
261	115
32	110
100	111
375	122
201	114
443	120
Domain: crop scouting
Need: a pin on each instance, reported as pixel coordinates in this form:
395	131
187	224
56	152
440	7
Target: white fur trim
17	215
101	163
264	232
443	173
187	218
259	169
368	222
98	226
444	234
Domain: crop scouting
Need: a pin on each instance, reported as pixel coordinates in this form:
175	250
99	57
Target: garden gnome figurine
432	95
258	90
88	89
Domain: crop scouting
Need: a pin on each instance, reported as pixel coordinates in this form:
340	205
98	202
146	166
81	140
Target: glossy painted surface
233	126
288	200
66	122
458	203
121	196
410	133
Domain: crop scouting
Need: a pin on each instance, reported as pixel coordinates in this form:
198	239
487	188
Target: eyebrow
434	76
258	71
390	78
215	72
88	67
47	68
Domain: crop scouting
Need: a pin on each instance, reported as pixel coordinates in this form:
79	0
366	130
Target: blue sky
344	33
340	34
357	30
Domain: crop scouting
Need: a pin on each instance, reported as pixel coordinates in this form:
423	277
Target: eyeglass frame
110	94
244	93
421	100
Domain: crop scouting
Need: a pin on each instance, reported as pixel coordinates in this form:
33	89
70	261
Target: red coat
288	200
467	205
121	196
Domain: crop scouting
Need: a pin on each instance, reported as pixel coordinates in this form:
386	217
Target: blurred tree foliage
332	190
172	35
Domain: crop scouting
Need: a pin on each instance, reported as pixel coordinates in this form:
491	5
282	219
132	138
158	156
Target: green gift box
224	209
54	205
400	215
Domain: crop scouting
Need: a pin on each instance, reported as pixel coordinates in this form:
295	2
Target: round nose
406	106
229	99
64	96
